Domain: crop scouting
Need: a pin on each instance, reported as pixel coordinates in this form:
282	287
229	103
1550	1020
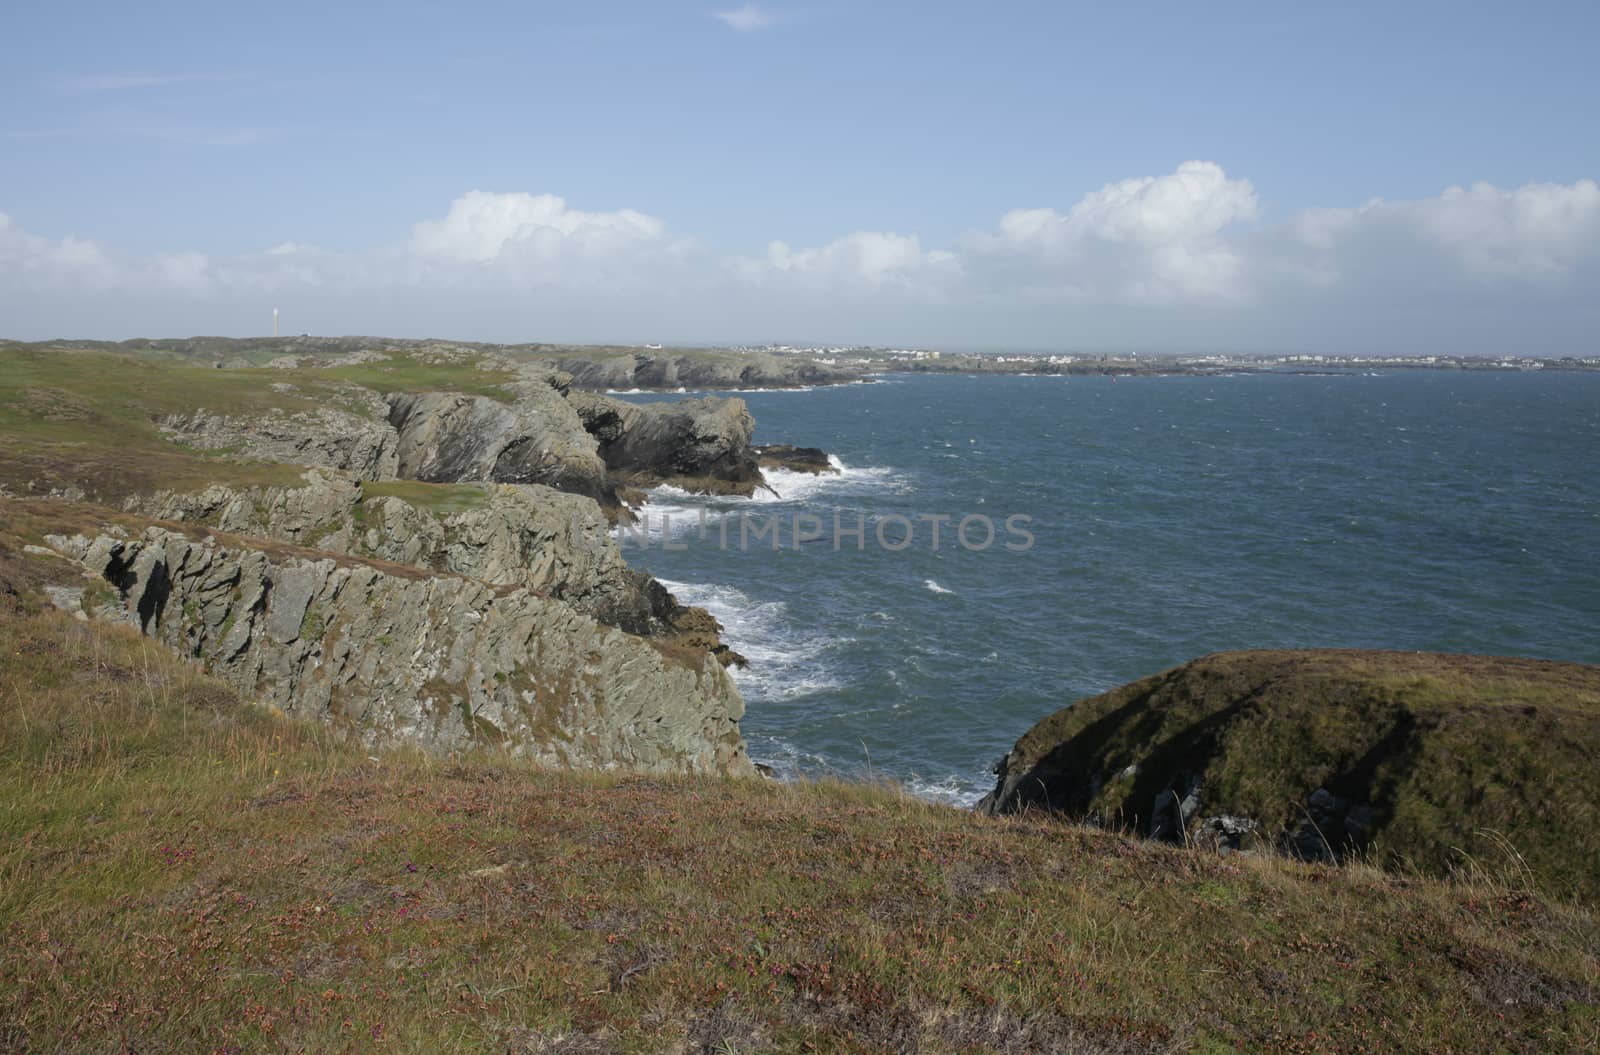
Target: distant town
936	361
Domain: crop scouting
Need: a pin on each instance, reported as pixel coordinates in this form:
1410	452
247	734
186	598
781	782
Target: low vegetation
181	871
1460	757
443	499
83	421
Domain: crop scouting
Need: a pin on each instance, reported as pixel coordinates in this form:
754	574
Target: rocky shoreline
443	573
417	548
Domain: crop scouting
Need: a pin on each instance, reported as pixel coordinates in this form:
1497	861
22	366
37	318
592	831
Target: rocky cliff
1416	759
356	438
526	535
462	496
701	371
536	438
700	445
533	429
438	660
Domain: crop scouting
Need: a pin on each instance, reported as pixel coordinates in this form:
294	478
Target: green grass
404	374
86	418
180	871
442	499
1466	758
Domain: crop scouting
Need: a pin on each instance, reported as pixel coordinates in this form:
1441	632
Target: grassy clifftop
1437	759
179	871
86	420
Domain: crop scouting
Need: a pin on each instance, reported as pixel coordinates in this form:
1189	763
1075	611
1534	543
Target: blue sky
155	153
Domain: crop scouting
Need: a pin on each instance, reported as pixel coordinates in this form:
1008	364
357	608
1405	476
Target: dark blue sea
1170	517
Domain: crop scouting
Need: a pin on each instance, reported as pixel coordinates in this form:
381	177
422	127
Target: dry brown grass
179	871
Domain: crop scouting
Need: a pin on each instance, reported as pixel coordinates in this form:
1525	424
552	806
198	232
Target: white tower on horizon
274	322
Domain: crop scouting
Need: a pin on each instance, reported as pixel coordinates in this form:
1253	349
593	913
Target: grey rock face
1332	827
665	370
1227	833
441	661
1170	814
523	535
698	444
449	437
357	441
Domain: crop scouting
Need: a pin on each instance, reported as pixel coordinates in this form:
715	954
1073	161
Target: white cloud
747	19
30	260
1178	259
1540	230
1152	240
482	227
871	260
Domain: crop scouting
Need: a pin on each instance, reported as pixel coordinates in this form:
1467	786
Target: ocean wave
952	790
785	664
935	587
791	486
787	762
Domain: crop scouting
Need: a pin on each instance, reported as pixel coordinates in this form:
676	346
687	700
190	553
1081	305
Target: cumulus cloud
1152	240
1177	260
747	19
482	227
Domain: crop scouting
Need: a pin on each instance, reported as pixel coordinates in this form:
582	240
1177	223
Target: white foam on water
788	762
785	664
671	512
952	790
764	391
935	587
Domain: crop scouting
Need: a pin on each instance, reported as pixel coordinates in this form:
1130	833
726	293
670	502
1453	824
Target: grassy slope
1448	747
181	872
86	419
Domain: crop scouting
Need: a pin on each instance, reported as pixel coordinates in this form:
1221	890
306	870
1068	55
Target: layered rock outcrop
698	444
668	371
538	430
357	440
441	661
526	535
536	438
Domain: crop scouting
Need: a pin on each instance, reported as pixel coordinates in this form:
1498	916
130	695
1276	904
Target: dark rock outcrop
813	460
700	445
1413	758
447	437
668	371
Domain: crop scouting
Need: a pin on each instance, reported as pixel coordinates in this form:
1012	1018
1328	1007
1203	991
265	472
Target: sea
1132	524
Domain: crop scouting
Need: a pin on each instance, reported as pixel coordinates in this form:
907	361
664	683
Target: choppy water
1172	516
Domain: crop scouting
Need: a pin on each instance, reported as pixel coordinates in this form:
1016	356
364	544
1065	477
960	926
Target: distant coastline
745	368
